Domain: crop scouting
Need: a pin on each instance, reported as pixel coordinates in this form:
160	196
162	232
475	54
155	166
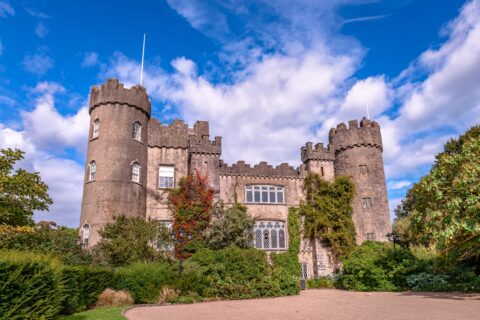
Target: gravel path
325	304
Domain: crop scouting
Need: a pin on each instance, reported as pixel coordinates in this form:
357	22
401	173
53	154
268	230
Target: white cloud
90	59
41	30
37	14
38	63
399	184
7	101
6	9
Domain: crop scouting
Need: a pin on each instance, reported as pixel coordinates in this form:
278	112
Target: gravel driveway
325	304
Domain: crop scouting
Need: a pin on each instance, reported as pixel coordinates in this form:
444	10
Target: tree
327	212
231	227
128	240
191	204
446	210
21	192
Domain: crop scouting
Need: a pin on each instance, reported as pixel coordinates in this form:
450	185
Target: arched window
269	235
96	129
85	234
136	172
137	131
93	170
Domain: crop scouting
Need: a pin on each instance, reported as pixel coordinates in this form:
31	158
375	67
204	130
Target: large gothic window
269	235
137	131
264	194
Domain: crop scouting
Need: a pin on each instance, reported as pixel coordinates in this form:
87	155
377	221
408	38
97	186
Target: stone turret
115	177
358	154
319	159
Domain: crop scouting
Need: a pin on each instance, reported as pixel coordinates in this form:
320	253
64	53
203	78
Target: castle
133	158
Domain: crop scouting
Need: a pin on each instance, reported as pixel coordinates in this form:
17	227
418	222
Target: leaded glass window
136	172
269	235
166	175
264	194
366	203
92	171
137	131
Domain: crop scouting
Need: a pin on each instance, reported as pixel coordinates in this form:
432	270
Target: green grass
114	313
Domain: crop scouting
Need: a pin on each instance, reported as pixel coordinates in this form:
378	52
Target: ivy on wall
327	212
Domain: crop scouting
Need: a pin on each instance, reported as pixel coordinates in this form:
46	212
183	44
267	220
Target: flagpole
143	58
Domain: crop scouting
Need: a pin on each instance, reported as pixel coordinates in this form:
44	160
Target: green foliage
96	314
128	240
30	286
21	192
446	210
328	212
454	279
47	238
191	204
145	280
232	227
83	284
286	264
321	282
405	207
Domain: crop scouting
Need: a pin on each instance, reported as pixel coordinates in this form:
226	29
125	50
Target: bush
145	281
82	285
455	279
321	282
30	286
167	295
112	298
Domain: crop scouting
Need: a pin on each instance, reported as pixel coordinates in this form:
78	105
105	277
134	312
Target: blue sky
268	75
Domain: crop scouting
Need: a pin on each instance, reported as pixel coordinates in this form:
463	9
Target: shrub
30	286
455	279
321	282
112	298
167	295
145	280
82	285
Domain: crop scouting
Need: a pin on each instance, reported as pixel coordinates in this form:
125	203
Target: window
264	194
96	129
85	234
137	131
269	235
166	176
366	203
93	170
304	268
370	236
322	172
363	168
136	172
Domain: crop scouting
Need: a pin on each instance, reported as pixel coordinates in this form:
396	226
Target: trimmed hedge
30	286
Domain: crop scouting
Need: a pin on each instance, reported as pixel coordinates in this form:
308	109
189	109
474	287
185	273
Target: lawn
95	314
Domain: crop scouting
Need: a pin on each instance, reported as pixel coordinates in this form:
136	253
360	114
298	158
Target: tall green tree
231	227
446	210
21	192
327	212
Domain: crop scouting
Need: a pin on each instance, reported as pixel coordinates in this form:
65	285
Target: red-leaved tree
191	204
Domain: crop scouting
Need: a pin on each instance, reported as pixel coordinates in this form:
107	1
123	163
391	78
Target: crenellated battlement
113	92
263	169
179	135
366	134
308	152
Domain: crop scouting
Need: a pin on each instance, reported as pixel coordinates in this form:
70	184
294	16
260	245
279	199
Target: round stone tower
358	154
115	177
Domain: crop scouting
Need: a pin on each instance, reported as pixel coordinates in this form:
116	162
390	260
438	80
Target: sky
269	75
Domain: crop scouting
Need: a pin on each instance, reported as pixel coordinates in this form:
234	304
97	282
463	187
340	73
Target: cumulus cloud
399	184
6	9
41	30
90	59
7	101
38	63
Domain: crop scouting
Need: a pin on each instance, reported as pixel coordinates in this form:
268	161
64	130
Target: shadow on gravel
443	295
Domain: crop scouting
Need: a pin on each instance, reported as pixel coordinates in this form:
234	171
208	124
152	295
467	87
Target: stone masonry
355	151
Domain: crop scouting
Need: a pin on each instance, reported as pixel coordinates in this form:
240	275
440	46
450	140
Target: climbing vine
191	204
327	212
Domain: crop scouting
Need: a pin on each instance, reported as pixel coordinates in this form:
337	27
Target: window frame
170	186
262	194
137	131
85	235
366	202
136	165
96	129
267	231
363	168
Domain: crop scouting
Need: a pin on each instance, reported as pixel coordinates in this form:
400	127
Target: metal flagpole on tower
143	58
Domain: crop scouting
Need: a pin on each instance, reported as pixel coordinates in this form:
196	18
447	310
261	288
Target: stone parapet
317	153
113	92
260	170
367	135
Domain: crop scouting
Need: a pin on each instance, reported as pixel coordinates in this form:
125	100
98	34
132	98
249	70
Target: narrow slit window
92	171
166	176
322	172
136	172
137	131
85	234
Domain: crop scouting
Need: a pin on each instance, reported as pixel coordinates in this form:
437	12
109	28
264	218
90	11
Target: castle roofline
262	169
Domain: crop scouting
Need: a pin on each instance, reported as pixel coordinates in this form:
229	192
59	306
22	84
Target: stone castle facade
133	158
